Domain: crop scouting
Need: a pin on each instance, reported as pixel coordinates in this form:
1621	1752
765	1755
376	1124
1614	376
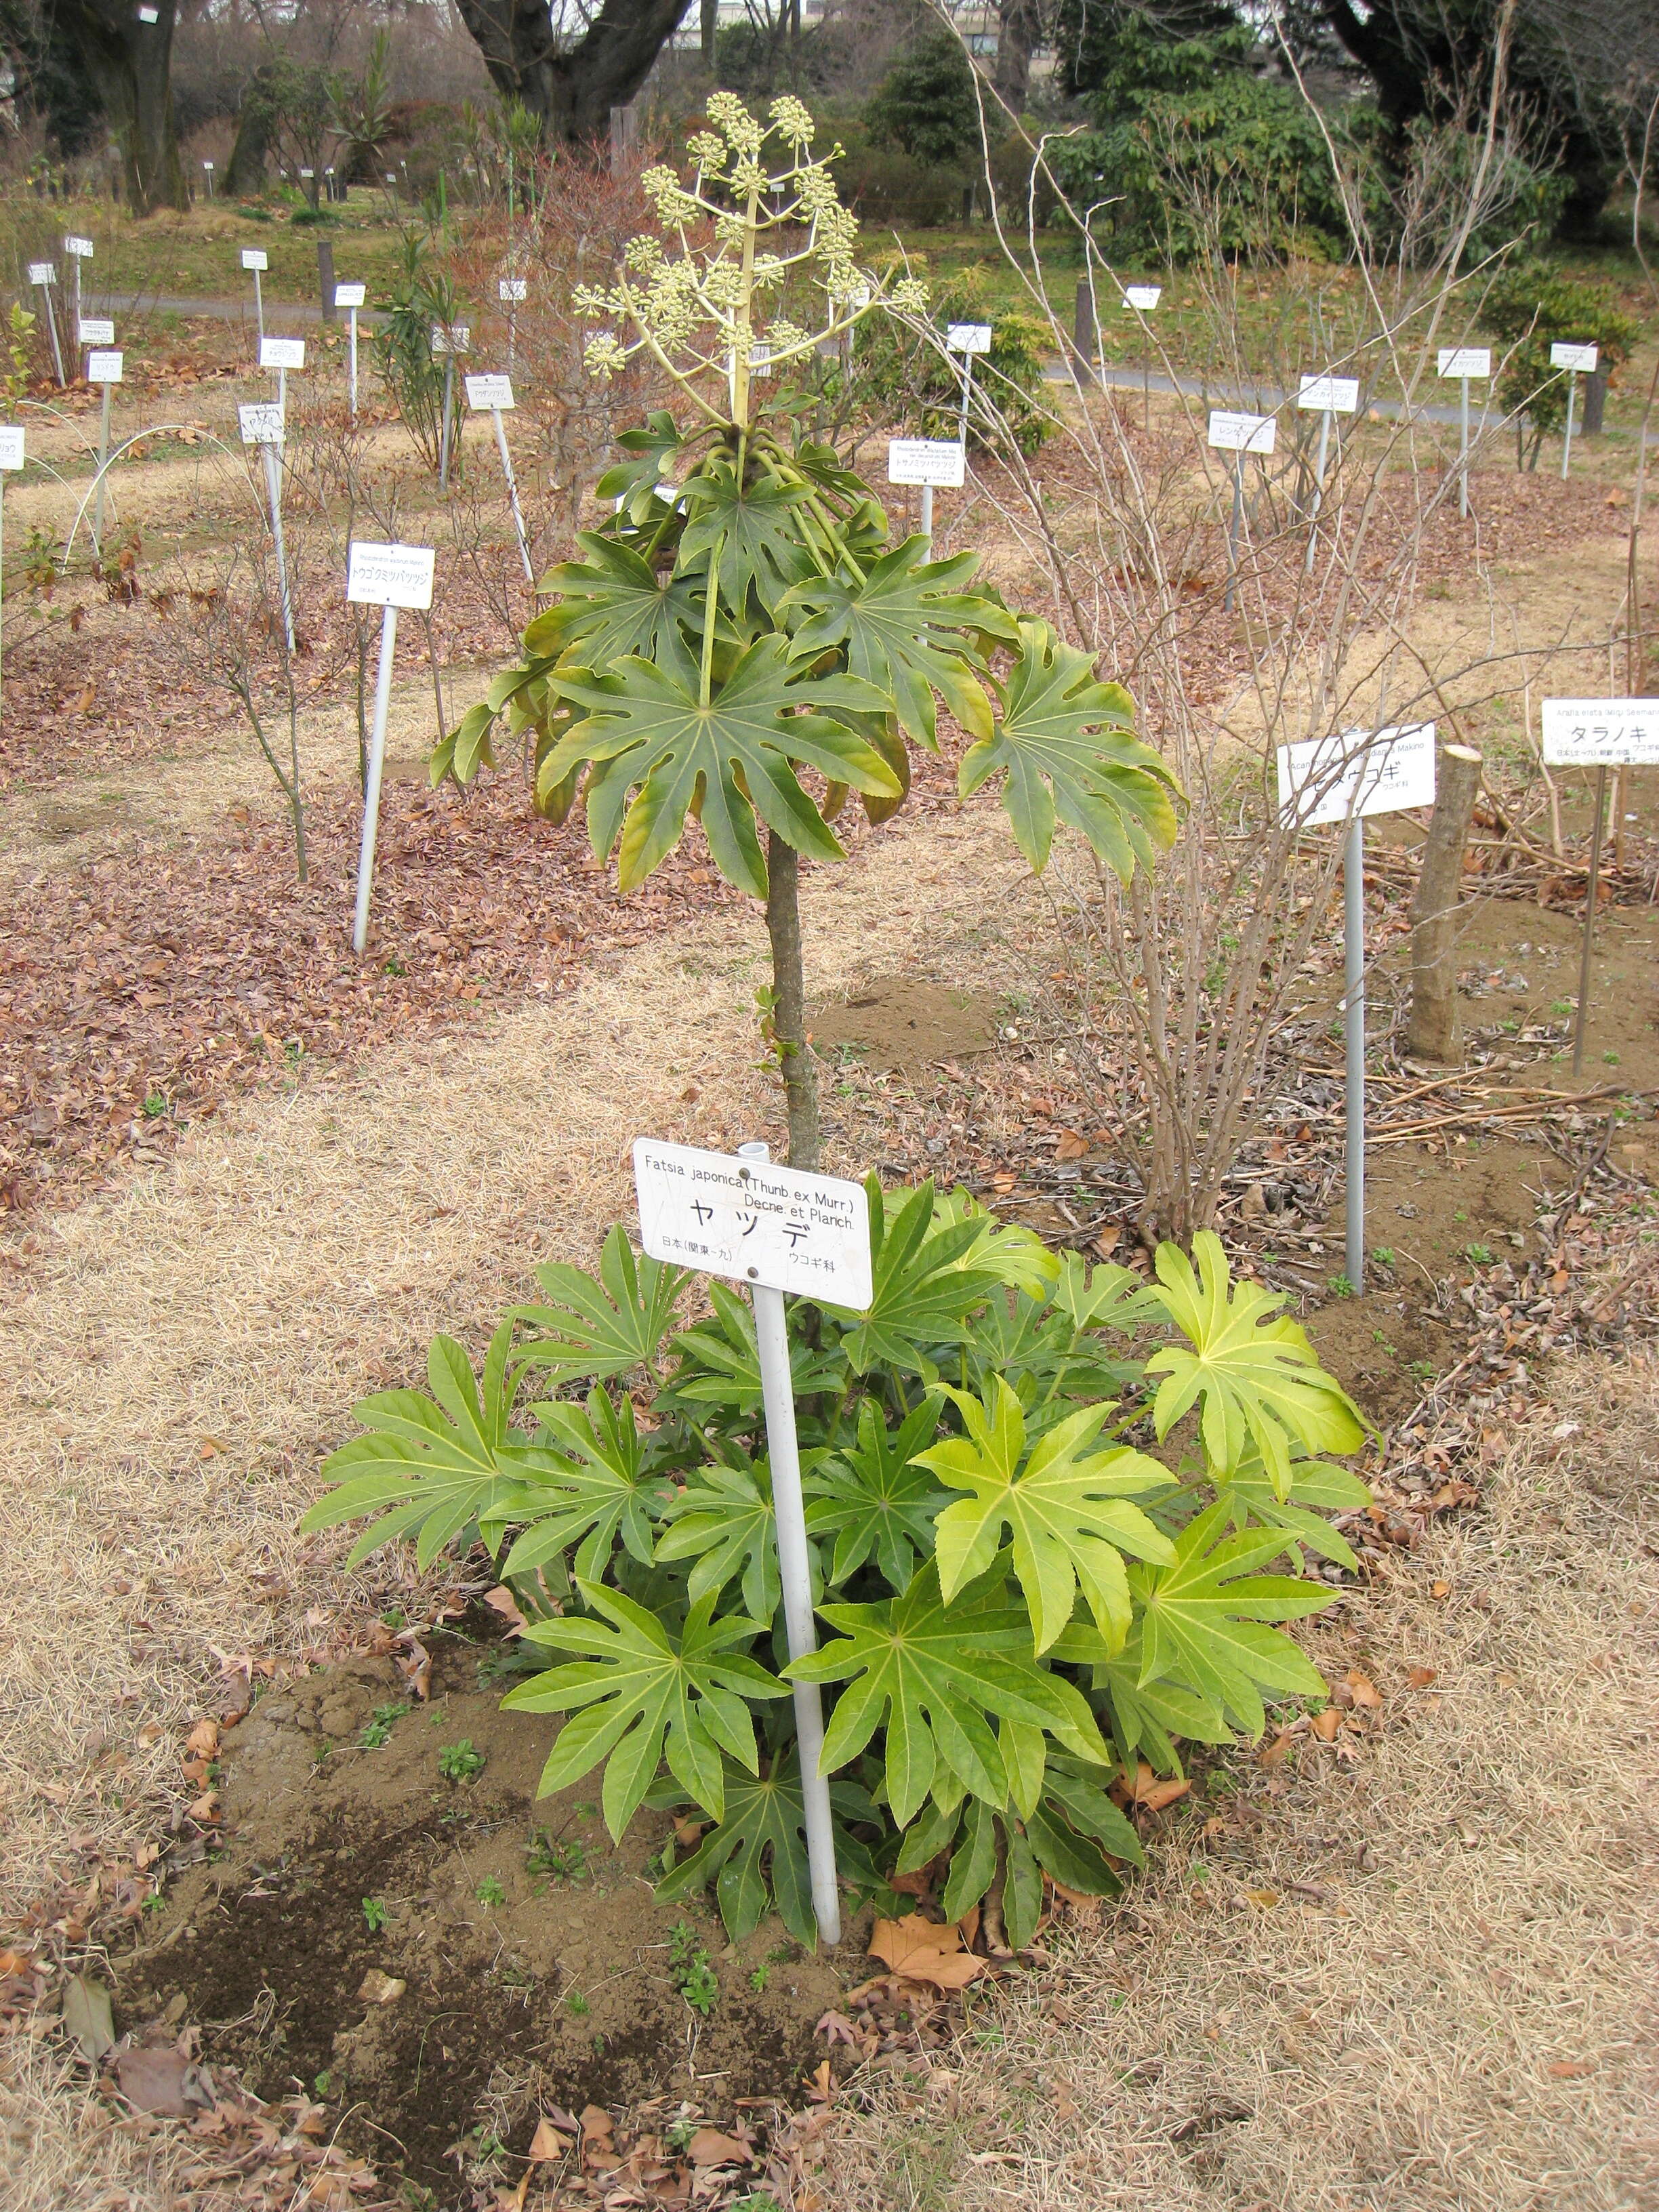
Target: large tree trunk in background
708	25
1019	28
572	91
130	63
245	180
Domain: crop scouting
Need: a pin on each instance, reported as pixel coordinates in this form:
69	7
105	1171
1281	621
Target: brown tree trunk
1019	28
571	89
245	180
1432	1029
800	1074
130	63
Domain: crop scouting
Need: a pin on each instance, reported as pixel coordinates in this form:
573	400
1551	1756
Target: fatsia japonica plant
1055	1516
740	642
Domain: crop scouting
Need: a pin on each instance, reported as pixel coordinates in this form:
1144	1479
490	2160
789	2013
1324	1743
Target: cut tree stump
1432	1028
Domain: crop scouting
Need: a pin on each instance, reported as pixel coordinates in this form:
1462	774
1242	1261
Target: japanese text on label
1601	732
1354	773
755	1222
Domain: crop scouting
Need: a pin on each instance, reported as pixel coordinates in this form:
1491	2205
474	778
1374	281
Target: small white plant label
261	423
103	368
43	272
350	295
79	249
510	290
1466	363
940	461
484	393
96	329
1329	395
390	575
255	257
1581	359
761	362
456	339
281	353
149	15
1356	772
755	1222
1243	433
1141	299
11	446
968	337
1601	732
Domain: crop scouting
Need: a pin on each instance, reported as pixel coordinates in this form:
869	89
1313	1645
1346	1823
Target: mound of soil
900	1023
441	1960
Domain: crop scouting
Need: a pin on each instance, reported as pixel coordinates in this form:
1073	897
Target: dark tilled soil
899	1023
533	1956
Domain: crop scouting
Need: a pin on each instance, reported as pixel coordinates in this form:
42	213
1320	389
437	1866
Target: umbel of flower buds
704	297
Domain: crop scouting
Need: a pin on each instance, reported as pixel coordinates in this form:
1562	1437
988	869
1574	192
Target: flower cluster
698	310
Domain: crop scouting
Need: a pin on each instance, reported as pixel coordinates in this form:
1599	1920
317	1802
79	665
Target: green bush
1529	308
1023	1602
926	104
901	375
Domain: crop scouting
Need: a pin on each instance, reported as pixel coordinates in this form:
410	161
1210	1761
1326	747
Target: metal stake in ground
777	1229
77	250
512	291
350	297
263	425
1598	734
278	356
1238	434
926	462
103	367
1578	361
1345	778
1140	300
388	576
448	343
255	260
1331	395
494	394
1462	363
968	339
44	273
11	457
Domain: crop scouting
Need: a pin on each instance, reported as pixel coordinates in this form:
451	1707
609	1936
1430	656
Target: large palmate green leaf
1065	1506
520	692
592	1329
926	1278
599	1489
902	627
1203	1620
645	1695
760	1838
930	1673
724	1521
1316	1489
873	1499
434	1465
611	604
1065	740
1258	1376
721	1364
757	527
648	455
1148	1719
731	759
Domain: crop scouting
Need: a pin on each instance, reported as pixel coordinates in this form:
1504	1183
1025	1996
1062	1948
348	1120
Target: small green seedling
378	1731
577	2005
1341	1287
490	1892
1478	1255
374	1914
690	1971
460	1762
548	1858
1383	1255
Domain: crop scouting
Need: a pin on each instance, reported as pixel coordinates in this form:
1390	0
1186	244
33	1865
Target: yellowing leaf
923	1951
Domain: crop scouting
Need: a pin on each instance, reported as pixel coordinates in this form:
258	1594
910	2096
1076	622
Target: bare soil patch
901	1023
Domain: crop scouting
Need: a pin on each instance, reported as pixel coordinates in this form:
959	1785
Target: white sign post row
1343	778
45	274
457	338
970	340
1578	361
776	1229
351	297
1598	734
11	457
1331	395
1238	434
1141	300
263	425
494	395
256	261
1465	363
104	367
77	250
387	576
511	292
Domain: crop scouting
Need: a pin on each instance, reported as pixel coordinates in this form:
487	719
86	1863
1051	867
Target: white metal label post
1140	300
1238	434
77	250
493	395
351	297
1464	364
1578	361
282	355
104	367
1343	778
389	576
1598	734
11	457
1331	395
262	424
511	292
45	274
970	340
777	1229
447	343
926	462
256	261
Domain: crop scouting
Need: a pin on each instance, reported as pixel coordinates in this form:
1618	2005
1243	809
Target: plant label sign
485	393
350	295
390	575
1242	433
456	339
1464	362
777	1226
512	289
97	330
1580	359
1329	395
11	447
1601	732
1355	772
103	368
255	257
43	272
968	337
940	461
78	249
1141	299
281	353
261	424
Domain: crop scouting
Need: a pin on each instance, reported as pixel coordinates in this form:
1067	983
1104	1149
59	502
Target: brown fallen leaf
708	2147
156	2081
1155	1791
595	2122
202	1741
1267	1898
924	1951
547	2144
1440	1590
501	1600
1071	1146
87	2016
1326	1724
1362	1688
1569	2069
1420	1677
838	2028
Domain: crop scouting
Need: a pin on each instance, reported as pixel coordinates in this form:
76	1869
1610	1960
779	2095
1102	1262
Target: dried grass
1454	2013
